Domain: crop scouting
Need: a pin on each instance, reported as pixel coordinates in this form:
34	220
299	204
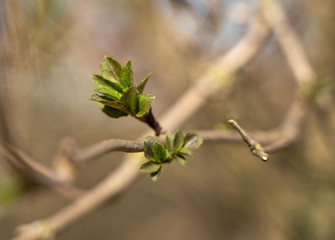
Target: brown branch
39	173
60	177
107	146
276	19
273	140
291	127
150	119
15	164
264	137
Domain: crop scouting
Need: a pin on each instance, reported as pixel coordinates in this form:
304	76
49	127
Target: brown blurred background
49	50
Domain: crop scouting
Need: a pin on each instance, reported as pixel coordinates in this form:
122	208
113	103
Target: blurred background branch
45	81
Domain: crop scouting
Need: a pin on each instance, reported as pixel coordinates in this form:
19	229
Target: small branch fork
207	85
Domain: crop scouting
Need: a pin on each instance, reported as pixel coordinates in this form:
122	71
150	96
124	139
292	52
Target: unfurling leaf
112	112
155	175
114	95
145	101
113	104
150	167
192	141
169	142
181	160
140	87
110	69
178	141
186	151
160	152
101	82
149	143
130	97
126	76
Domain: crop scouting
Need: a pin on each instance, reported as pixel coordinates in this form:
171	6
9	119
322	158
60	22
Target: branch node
62	164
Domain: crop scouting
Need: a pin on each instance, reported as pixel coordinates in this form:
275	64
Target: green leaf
112	112
186	151
110	69
112	94
144	103
150	167
149	143
140	87
101	82
114	104
192	140
160	152
130	97
155	175
178	141
169	141
126	76
181	160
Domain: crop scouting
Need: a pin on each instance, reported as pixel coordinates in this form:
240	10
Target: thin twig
45	175
107	146
253	145
264	137
152	122
39	173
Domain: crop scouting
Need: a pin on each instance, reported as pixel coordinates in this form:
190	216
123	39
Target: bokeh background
49	50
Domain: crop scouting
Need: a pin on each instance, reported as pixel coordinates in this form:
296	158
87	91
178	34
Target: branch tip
254	146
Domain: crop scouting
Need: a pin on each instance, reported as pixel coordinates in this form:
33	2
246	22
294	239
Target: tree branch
189	103
39	173
276	19
223	69
106	146
264	137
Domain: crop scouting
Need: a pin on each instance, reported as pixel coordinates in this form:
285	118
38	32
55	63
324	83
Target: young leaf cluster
176	147
116	93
